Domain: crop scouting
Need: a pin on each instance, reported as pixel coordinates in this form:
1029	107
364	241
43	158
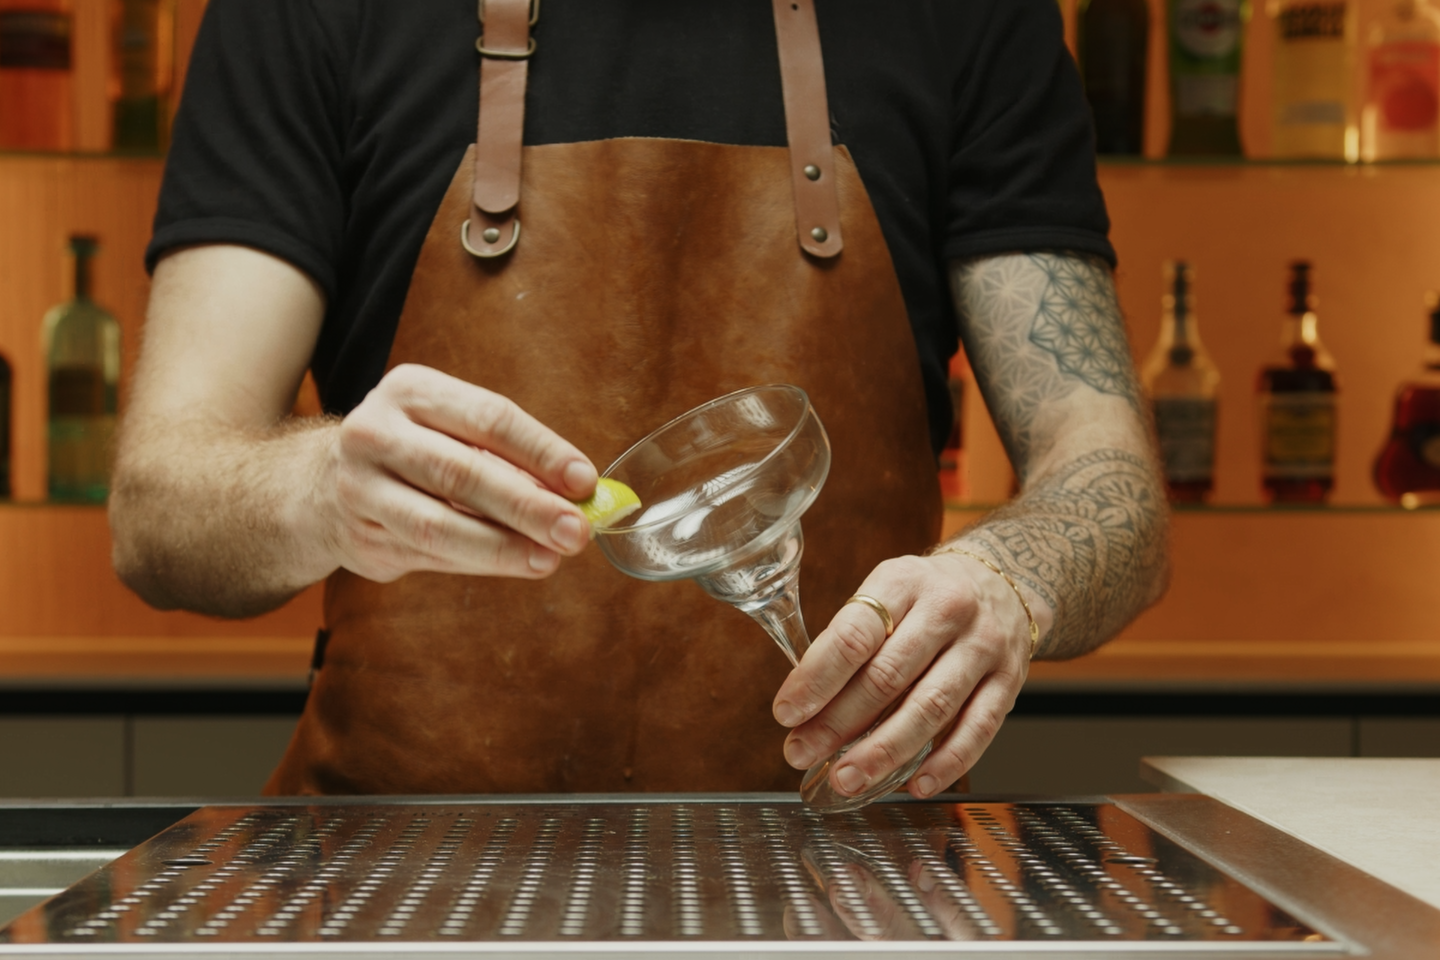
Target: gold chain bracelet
1034	627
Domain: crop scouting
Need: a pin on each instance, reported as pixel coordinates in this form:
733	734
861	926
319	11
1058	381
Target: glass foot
818	794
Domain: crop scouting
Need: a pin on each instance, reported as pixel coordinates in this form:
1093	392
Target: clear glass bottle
1113	42
1206	38
1183	384
1409	463
1298	413
7	394
143	70
1314	112
36	111
1400	118
82	366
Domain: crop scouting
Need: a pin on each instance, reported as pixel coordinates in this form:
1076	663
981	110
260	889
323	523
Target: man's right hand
433	473
224	503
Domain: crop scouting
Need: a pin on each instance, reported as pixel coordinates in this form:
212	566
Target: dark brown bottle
1408	467
1113	42
1297	405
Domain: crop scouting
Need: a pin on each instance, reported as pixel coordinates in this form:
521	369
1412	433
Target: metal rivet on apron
490	234
812	171
820	234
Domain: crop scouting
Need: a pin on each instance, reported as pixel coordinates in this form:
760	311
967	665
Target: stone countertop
1380	815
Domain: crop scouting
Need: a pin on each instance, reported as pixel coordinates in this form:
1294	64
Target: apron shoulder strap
807	127
505	47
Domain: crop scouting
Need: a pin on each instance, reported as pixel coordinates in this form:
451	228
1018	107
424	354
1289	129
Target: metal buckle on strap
534	12
504	54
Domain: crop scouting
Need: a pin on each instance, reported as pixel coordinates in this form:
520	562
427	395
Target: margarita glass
722	489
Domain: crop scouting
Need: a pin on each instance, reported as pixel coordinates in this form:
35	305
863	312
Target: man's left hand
960	651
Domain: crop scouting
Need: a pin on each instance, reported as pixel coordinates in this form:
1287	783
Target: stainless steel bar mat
722	870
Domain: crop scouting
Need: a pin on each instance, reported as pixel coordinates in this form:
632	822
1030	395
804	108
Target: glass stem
782	619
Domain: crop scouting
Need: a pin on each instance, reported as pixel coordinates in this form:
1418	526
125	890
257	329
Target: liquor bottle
1409	463
952	457
1182	382
1402	72
35	77
1113	42
1297	405
143	43
82	351
1205	45
1314	54
7	392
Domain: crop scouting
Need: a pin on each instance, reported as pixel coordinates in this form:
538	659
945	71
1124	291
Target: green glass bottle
82	365
1206	38
7	383
141	81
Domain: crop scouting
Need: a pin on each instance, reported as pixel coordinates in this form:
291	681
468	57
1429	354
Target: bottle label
1186	429
1206	95
1299	435
1303	21
1207	29
35	39
1405	84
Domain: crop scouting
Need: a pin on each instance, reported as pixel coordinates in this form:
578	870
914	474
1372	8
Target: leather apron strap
505	48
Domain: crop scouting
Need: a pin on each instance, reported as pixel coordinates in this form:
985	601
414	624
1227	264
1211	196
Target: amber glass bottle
35	76
1113	40
1409	463
1182	383
1297	405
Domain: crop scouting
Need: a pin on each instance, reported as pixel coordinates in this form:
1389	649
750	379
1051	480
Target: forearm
221	520
1089	541
1087	537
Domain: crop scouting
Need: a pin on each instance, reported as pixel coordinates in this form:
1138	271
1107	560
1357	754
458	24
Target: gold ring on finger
878	607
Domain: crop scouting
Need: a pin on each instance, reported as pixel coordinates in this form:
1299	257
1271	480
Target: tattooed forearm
1090	540
1037	328
1087	535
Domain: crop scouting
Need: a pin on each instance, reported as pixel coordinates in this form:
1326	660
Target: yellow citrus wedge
611	502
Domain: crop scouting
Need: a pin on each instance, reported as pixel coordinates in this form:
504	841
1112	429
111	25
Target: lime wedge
611	502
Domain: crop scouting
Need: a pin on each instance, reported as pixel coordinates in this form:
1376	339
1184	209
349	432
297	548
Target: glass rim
694	411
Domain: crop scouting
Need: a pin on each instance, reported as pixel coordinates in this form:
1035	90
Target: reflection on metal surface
683	871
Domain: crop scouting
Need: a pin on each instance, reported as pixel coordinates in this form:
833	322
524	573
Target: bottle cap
84	244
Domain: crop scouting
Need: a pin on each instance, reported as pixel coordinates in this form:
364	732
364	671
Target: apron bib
650	276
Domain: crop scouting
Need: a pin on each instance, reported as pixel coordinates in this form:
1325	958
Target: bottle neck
82	276
1302	339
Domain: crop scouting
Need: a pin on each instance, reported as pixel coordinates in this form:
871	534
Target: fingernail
799	755
543	560
579	476
788	714
850	779
568	532
927	785
924	881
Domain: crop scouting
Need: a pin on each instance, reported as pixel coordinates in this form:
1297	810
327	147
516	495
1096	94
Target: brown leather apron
651	275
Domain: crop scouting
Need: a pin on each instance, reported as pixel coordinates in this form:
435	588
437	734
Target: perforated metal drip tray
695	871
688	871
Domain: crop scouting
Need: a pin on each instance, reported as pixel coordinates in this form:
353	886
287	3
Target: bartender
660	203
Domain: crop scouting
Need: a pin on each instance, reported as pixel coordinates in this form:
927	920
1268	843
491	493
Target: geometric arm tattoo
1090	536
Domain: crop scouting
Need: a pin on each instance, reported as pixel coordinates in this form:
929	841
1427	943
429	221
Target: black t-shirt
326	132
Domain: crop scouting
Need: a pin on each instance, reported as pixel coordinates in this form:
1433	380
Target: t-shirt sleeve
255	155
1022	161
